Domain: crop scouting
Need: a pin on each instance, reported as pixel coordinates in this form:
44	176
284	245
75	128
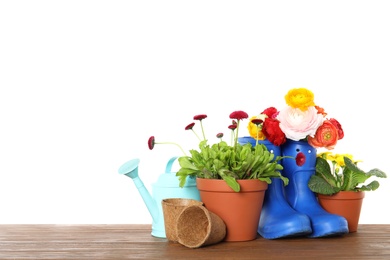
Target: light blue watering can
167	186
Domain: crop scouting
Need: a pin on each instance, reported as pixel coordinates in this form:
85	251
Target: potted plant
230	173
340	185
300	129
230	162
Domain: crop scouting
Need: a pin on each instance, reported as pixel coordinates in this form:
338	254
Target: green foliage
231	163
352	178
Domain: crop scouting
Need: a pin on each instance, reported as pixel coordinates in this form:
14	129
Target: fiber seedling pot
197	226
172	207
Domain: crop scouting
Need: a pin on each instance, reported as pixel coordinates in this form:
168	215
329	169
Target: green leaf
369	187
377	173
285	180
323	170
318	184
351	178
266	179
353	167
232	183
185	162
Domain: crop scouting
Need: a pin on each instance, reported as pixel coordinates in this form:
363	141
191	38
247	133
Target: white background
84	84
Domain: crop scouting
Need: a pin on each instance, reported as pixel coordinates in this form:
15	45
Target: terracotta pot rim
344	195
221	186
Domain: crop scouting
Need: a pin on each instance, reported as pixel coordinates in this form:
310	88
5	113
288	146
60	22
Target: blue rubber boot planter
278	219
298	194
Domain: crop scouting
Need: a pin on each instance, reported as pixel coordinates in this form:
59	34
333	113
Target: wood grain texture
135	242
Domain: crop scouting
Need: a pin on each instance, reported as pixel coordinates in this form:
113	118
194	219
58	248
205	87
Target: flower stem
174	144
196	134
236	138
201	125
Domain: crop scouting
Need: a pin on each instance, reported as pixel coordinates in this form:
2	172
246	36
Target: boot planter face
278	219
344	203
298	194
240	211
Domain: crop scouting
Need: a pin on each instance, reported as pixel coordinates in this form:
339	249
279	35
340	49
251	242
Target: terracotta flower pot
344	203
239	210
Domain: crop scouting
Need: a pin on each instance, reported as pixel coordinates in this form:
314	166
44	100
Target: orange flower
321	111
326	136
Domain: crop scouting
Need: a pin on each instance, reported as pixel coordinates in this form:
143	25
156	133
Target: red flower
232	127
257	121
325	136
200	117
190	126
219	135
238	115
271	112
151	142
340	130
272	131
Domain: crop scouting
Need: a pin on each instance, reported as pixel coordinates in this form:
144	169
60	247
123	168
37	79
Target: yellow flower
336	159
327	156
253	130
339	159
301	98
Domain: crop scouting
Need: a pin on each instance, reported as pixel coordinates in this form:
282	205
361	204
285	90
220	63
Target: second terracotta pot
344	203
239	210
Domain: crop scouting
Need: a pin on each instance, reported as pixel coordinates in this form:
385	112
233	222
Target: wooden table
135	242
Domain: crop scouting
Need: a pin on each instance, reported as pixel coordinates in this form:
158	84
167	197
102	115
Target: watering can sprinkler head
130	168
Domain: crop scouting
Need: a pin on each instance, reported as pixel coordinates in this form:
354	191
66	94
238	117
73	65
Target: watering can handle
168	169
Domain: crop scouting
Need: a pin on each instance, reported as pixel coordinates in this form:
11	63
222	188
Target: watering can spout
166	186
130	169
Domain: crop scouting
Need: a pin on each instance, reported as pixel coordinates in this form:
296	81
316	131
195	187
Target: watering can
166	186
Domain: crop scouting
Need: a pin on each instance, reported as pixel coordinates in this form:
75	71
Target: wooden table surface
135	242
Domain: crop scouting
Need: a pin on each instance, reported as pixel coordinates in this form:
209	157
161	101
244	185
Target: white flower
298	124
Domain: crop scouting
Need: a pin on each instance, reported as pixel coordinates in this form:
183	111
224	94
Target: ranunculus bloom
301	98
298	124
340	130
272	131
320	110
326	136
271	112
